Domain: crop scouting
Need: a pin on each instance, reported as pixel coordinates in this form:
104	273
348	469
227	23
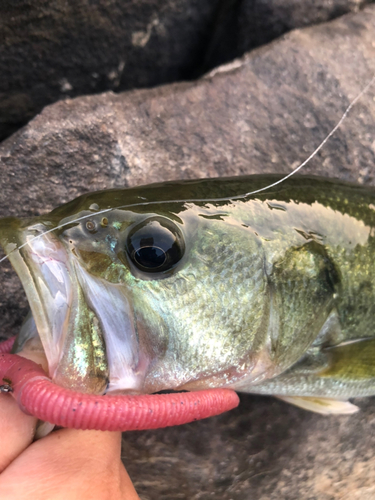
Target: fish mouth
84	323
86	328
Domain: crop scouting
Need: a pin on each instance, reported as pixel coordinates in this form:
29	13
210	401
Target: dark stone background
265	112
53	49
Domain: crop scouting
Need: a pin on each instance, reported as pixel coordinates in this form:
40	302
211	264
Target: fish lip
42	265
50	275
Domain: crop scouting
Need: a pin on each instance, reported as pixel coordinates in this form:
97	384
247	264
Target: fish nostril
91	226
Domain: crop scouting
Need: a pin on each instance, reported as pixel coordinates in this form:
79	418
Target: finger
17	429
69	464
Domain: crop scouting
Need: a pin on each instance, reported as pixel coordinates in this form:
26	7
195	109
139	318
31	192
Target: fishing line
208	200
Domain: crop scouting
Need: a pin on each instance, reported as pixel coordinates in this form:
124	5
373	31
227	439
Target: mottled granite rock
263	113
50	50
248	24
263	450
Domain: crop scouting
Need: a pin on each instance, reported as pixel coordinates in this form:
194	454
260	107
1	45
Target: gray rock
264	113
50	50
55	49
245	25
263	450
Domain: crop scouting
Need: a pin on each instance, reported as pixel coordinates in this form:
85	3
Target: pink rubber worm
37	395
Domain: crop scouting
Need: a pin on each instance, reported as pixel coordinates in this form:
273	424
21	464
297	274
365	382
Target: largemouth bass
189	285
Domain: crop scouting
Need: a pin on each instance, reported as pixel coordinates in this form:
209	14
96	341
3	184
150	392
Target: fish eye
155	245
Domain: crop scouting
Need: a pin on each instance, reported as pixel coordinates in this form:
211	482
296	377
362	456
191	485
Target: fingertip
17	430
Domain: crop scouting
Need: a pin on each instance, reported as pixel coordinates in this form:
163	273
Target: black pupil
155	245
150	257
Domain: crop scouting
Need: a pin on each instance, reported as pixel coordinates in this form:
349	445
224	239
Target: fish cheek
153	343
215	310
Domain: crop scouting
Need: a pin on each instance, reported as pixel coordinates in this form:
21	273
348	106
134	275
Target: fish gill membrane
137	291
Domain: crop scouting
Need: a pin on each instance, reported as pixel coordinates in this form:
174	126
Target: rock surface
55	49
50	50
242	26
264	113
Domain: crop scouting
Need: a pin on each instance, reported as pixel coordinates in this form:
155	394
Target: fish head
134	293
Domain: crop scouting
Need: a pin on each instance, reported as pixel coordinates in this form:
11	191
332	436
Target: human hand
69	463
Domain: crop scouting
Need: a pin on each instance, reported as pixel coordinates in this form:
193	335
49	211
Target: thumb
17	428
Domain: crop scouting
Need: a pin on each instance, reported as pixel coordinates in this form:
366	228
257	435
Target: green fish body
189	285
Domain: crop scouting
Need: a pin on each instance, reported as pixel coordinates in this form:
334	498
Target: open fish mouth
84	323
89	349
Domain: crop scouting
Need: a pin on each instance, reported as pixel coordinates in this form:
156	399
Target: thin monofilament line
324	141
208	200
54	229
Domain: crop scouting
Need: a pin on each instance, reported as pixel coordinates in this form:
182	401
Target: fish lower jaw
43	268
84	324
